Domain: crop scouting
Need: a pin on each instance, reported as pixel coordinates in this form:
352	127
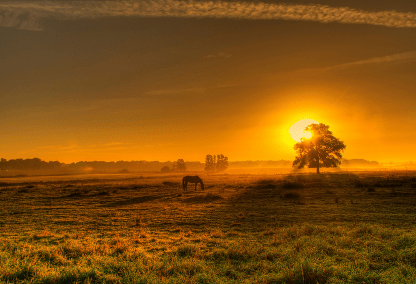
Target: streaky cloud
28	14
394	58
388	59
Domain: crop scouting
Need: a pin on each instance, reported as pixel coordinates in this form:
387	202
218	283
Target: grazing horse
192	179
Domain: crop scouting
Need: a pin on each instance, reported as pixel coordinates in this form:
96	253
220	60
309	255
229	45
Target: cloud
389	59
28	14
394	58
175	91
218	55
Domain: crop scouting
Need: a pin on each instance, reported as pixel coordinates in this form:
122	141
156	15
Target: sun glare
297	130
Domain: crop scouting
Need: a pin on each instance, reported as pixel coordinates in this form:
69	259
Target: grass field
300	228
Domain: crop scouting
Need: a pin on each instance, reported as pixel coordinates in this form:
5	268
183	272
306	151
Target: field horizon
298	116
243	228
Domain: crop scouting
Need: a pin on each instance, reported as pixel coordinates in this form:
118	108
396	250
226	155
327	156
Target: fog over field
196	141
166	80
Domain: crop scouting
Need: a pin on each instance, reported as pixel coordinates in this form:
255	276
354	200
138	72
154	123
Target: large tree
321	150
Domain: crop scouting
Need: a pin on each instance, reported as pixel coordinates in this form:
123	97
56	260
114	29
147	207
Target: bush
165	169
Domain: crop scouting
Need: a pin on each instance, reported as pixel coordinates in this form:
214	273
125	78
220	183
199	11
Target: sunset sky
166	79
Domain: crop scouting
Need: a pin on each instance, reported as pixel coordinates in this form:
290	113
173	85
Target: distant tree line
359	163
28	164
214	164
177	167
136	166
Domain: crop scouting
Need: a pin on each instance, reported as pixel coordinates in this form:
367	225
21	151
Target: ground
243	228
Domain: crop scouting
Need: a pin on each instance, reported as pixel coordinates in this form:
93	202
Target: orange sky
135	83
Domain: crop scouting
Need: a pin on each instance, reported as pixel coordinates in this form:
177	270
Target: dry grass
331	228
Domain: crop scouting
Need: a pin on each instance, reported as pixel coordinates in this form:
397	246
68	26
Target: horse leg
186	186
196	185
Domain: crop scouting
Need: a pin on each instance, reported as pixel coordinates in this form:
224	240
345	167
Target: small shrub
165	169
371	189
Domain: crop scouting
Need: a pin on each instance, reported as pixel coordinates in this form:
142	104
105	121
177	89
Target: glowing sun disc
297	130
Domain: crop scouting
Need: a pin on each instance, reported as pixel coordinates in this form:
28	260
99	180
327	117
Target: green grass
242	229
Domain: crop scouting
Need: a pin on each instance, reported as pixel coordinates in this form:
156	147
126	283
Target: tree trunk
317	166
317	156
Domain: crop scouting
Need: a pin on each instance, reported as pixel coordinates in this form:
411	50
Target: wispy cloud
218	55
388	59
28	14
394	58
175	91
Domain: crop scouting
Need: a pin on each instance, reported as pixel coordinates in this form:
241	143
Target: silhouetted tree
179	166
209	163
222	163
321	150
216	163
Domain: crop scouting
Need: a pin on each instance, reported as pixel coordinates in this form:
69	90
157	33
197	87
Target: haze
162	80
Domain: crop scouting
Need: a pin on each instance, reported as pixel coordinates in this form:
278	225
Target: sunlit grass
274	229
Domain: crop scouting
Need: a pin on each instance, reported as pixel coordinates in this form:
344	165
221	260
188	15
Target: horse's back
192	179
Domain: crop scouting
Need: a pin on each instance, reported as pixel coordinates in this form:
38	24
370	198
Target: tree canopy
322	150
179	166
218	163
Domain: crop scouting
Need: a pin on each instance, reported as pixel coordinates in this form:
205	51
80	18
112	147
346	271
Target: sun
297	130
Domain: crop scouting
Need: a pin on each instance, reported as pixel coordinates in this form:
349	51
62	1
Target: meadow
356	227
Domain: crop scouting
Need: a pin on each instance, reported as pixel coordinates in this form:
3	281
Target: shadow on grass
209	197
136	200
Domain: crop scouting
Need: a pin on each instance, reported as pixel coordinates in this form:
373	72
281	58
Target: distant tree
3	164
179	166
222	163
322	150
165	169
216	163
209	163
